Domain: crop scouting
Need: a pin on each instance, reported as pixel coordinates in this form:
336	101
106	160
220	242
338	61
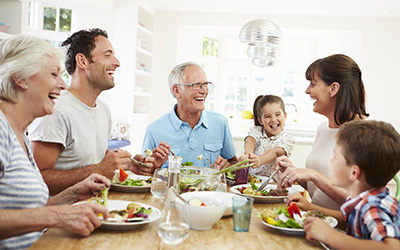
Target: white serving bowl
202	217
224	196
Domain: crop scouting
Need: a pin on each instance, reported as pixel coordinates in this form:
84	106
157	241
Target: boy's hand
300	201
317	229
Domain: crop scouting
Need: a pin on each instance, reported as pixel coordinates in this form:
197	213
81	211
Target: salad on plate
121	177
252	190
291	219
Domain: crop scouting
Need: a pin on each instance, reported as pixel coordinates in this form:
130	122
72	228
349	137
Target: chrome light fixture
263	38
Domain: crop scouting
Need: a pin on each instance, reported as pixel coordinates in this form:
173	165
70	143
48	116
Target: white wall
379	59
379	62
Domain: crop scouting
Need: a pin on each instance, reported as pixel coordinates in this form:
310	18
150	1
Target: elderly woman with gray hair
30	82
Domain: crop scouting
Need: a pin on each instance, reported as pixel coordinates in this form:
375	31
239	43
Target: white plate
332	222
226	197
261	177
133	189
120	205
267	199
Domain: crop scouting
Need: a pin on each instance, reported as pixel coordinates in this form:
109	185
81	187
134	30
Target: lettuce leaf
104	195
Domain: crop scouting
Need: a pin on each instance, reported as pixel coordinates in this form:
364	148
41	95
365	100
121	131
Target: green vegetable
143	210
190	181
235	167
188	163
281	210
230	175
253	186
104	195
291	223
131	182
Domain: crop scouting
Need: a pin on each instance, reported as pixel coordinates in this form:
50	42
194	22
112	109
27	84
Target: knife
139	163
265	183
121	220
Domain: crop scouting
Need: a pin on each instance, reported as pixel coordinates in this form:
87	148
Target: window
52	21
237	82
57	19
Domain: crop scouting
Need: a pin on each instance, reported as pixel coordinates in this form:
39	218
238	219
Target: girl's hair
261	101
22	56
177	76
339	68
83	41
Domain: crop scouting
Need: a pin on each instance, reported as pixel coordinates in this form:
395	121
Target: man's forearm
58	180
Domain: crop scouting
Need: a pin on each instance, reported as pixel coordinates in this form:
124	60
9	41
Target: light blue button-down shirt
210	137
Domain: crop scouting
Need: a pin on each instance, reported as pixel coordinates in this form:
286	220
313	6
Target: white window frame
36	20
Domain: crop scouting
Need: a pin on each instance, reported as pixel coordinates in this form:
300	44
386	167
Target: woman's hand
282	162
81	219
292	175
91	186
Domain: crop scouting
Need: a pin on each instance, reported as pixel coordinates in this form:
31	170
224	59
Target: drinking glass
241	176
159	183
242	207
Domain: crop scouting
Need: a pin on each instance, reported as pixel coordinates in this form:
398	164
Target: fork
265	183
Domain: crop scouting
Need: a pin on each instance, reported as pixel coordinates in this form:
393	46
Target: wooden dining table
221	236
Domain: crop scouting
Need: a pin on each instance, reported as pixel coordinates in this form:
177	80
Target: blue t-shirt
210	137
21	183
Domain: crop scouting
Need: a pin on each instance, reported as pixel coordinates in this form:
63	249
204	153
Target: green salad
135	183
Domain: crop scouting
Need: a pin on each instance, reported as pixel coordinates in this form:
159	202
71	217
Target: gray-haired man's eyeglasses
196	86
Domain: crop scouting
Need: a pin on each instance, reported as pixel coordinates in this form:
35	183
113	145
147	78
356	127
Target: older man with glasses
190	130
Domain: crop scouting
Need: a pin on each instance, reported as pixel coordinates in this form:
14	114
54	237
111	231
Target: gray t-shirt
81	130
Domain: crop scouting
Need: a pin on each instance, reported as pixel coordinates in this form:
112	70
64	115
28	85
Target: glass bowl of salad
201	179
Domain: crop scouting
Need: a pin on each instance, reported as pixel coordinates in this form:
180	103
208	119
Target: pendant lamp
263	38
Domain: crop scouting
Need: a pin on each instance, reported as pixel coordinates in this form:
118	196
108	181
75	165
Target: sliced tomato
130	214
122	175
293	209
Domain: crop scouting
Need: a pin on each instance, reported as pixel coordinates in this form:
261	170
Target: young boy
366	157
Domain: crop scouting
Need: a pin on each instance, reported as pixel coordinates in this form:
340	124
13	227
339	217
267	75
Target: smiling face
104	63
190	100
319	91
45	86
272	118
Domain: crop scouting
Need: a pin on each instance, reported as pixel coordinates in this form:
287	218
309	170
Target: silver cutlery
324	245
136	219
265	183
179	196
139	163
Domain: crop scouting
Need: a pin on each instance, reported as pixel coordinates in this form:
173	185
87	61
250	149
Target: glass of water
242	207
159	183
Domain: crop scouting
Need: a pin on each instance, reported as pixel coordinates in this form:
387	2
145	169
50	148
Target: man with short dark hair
72	143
